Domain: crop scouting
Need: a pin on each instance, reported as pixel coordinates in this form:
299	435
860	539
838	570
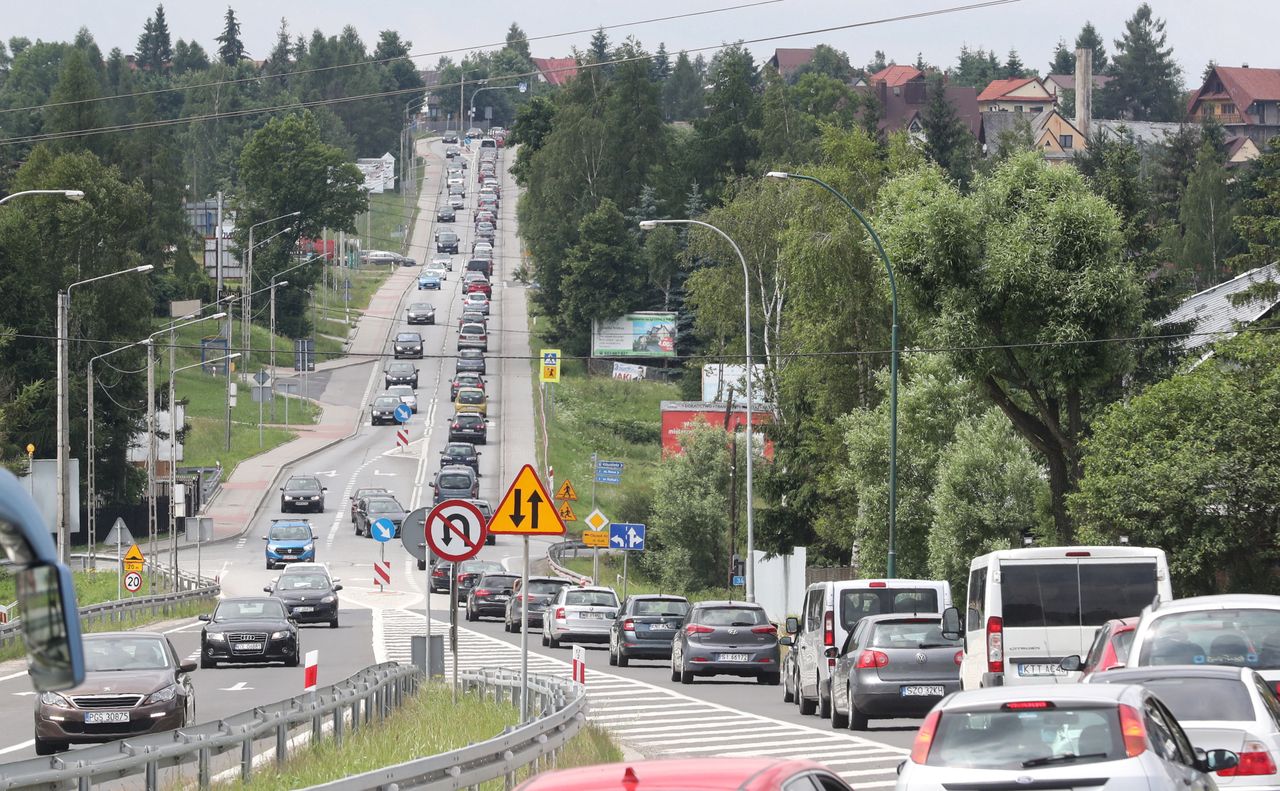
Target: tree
518	41
1089	38
155	48
1064	60
598	49
661	257
189	57
278	61
975	68
682	98
1013	67
1147	82
230	48
877	64
633	118
661	65
726	141
947	139
73	103
603	278
534	122
1206	215
827	61
1258	221
1019	272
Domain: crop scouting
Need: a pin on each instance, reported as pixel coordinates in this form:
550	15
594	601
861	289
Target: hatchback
309	597
726	638
457	202
471	400
406	395
401	374
445	262
469	428
447	241
383	409
446	214
1228	629
455	482
476	301
477	283
469	572
374	508
645	627
712	774
420	313
470	360
1110	648
473	336
581	614
463	453
361	493
302	493
462	380
408	344
430	281
489	595
541	591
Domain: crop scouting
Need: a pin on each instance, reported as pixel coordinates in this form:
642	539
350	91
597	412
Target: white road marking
13	675
239	686
24	694
19	746
182	628
380	473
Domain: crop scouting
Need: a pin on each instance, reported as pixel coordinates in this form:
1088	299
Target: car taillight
628	625
457	425
770	629
1255	759
878	585
995	645
959	657
560	613
869	659
695	628
482	592
924	738
829	629
1022	705
1133	731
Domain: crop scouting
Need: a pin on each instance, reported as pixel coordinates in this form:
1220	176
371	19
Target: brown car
134	683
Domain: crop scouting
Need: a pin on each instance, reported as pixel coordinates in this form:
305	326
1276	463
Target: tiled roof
1144	132
556	71
895	75
786	61
1211	311
1243	84
999	88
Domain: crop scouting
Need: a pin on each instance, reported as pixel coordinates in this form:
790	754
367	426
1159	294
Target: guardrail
555	556
364	698
561	707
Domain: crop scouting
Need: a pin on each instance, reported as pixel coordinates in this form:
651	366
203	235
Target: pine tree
145	52
877	63
1013	67
683	94
278	60
1205	214
661	65
1089	39
230	48
1258	221
162	44
598	50
1147	84
72	106
1064	60
189	57
518	41
947	140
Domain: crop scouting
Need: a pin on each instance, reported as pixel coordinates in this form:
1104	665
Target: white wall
780	583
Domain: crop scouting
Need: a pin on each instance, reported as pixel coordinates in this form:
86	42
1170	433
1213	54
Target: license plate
304	609
923	692
248	646
501	597
593	616
1040	670
734	657
97	717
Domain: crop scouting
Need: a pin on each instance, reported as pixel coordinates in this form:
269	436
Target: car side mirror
206	618
266	538
1071	664
337	579
187	667
267	588
337	588
951	623
1217	760
314	536
786	640
792	625
324	488
282	488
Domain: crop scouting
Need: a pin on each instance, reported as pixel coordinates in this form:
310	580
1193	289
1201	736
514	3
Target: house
1144	133
1212	314
1018	95
379	173
1059	84
1240	150
1243	100
903	93
896	76
555	71
788	61
1052	133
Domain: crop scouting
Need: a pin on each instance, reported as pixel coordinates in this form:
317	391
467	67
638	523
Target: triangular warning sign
134	553
567	492
526	508
567	514
119	534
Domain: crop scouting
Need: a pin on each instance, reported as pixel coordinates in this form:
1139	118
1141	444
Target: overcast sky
1031	26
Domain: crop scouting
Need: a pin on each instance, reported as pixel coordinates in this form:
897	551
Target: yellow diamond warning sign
526	508
566	491
567	514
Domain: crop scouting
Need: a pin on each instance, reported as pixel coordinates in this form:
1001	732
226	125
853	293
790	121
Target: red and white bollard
311	673
579	664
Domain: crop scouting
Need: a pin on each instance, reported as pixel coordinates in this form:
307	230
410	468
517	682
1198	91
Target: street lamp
247	309
892	565
75	195
63	522
649	225
520	87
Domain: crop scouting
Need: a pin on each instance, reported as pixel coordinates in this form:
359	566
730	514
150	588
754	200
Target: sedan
134	683
374	508
249	629
712	774
470	360
541	591
401	374
360	494
488	597
486	510
435	270
464	380
645	627
406	395
451	152
420	313
581	614
407	344
469	428
469	571
456	202
302	493
430	281
445	262
383	409
893	666
455	482
463	453
446	214
485	230
309	597
473	336
449	136
726	638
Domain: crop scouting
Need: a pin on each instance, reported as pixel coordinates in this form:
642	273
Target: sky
1033	27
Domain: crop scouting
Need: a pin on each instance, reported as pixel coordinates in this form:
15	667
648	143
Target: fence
555	556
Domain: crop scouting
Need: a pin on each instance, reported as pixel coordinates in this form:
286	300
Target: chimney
1084	90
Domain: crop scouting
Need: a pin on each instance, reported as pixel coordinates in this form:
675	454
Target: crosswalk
659	722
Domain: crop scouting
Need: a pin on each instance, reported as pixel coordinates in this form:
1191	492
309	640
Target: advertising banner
628	372
643	334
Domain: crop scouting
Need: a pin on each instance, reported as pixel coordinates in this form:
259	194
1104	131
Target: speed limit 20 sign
133	582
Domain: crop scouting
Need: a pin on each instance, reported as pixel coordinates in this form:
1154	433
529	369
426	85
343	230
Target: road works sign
551	366
527	509
133	559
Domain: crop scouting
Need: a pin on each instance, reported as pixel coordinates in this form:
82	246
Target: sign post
413	535
455	531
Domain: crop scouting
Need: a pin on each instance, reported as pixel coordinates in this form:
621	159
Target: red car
691	774
1110	647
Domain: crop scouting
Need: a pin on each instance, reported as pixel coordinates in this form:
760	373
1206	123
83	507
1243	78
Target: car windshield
661	607
304	484
454	481
401	390
124	653
387	401
480	565
543	587
401	368
382	506
591	598
252	610
1017	739
408	337
911	634
471	354
858	603
302	582
732	616
470	397
1194	698
497	581
1243	637
460	450
289	532
420	307
448	236
469	420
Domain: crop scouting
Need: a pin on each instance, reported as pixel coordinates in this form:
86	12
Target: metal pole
173	462
119	563
595	551
89	487
245	308
227	365
624	575
427	611
152	519
453	626
524	632
273	350
63	451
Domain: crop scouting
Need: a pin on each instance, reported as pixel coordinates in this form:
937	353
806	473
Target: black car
446	242
469	571
645	627
449	137
469	428
470	360
486	510
401	374
249	629
302	493
407	344
542	590
363	492
462	380
373	508
420	313
446	214
460	453
383	409
441	571
489	596
309	596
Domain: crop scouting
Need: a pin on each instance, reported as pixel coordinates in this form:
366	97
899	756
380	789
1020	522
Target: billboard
641	334
718	378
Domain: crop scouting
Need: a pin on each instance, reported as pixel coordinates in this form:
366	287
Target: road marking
184	627
378	472
13	675
24	694
239	686
20	746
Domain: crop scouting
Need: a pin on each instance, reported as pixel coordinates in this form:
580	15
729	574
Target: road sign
133	582
579	664
550	365
119	533
526	508
382	530
382	573
133	559
626	536
311	671
566	491
739	581
403	413
455	530
607	479
566	512
402	437
597	520
595	538
413	531
262	377
615	466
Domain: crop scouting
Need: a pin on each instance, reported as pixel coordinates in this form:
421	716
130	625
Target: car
579	614
481	265
420	313
477	283
463	453
401	374
406	261
383	409
473	317
485	230
446	241
485	215
289	541
436	270
470	360
471	400
455	482
302	568
449	136
361	493
474	132
1226	629
380	257
541	591
374	508
430	281
473	336
686	774
249	629
456	202
451	152
407	344
1057	736
406	395
469	428
476	301
893	666
469	571
446	214
302	493
489	595
445	262
486	510
645	626
464	379
1110	648
310	597
459	189
134	684
726	638
441	575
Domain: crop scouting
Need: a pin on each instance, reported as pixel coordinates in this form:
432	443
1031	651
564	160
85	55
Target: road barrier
559	707
555	556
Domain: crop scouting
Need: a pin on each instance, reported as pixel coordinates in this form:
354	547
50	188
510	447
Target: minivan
488	142
832	609
481	265
1028	609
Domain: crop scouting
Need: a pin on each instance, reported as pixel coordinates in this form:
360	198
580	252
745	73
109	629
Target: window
1227	109
813	610
1191	698
1035	110
1066	141
857	604
977	599
1115	590
1000	739
1017	108
1041	595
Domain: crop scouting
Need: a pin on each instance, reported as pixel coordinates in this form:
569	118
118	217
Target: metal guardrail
555	556
561	707
364	698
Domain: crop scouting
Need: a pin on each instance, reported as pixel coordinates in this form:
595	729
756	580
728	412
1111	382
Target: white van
488	142
1027	609
831	610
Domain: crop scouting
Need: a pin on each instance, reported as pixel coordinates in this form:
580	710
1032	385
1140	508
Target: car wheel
857	719
471	616
544	639
553	641
293	660
333	624
770	679
787	696
838	720
824	704
686	676
269	566
623	660
206	664
675	672
613	657
807	705
46	747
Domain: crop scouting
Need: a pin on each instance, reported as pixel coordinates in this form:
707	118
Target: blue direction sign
739	581
383	530
615	466
626	536
403	413
608	479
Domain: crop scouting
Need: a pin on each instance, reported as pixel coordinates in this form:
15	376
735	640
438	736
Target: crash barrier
555	555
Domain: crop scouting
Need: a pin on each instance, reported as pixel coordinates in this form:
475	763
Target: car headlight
280	635
54	699
272	548
288	497
309	547
163	695
315	497
216	637
330	599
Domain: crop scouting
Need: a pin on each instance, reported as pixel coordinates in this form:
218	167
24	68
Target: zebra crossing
659	722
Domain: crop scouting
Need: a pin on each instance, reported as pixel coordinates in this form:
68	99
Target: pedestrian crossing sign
566	512
550	366
566	491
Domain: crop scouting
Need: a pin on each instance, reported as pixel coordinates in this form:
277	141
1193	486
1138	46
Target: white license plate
1040	670
923	692
248	646
592	616
501	597
734	657
304	609
97	717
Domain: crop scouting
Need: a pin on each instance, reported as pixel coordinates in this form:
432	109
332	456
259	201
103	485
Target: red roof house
789	61
1246	101
556	71
1017	95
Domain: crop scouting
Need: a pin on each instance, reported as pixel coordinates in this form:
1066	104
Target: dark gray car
455	482
420	313
302	493
645	627
726	638
471	360
541	591
407	344
401	374
371	509
383	409
310	597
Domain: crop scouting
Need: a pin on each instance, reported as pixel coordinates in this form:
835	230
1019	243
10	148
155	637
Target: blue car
428	282
290	541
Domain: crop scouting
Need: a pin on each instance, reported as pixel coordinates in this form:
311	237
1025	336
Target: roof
687	774
1217	601
1144	132
556	71
998	89
1242	84
699	406
1058	693
896	75
787	61
1212	314
899	109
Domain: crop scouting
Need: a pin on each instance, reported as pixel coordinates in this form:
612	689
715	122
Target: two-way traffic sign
455	530
626	536
526	508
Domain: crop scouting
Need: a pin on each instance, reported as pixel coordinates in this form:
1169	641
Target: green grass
388	223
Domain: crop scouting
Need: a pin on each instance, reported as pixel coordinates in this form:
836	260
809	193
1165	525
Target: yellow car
472	400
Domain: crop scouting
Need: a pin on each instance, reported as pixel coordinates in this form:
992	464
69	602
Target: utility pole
733	484
64	440
595	551
151	453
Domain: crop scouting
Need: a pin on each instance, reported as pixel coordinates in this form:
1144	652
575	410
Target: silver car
582	614
406	395
1108	737
1241	629
726	638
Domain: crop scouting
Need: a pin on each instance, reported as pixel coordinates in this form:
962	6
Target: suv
470	360
289	541
473	336
303	493
401	374
455	482
446	242
408	344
